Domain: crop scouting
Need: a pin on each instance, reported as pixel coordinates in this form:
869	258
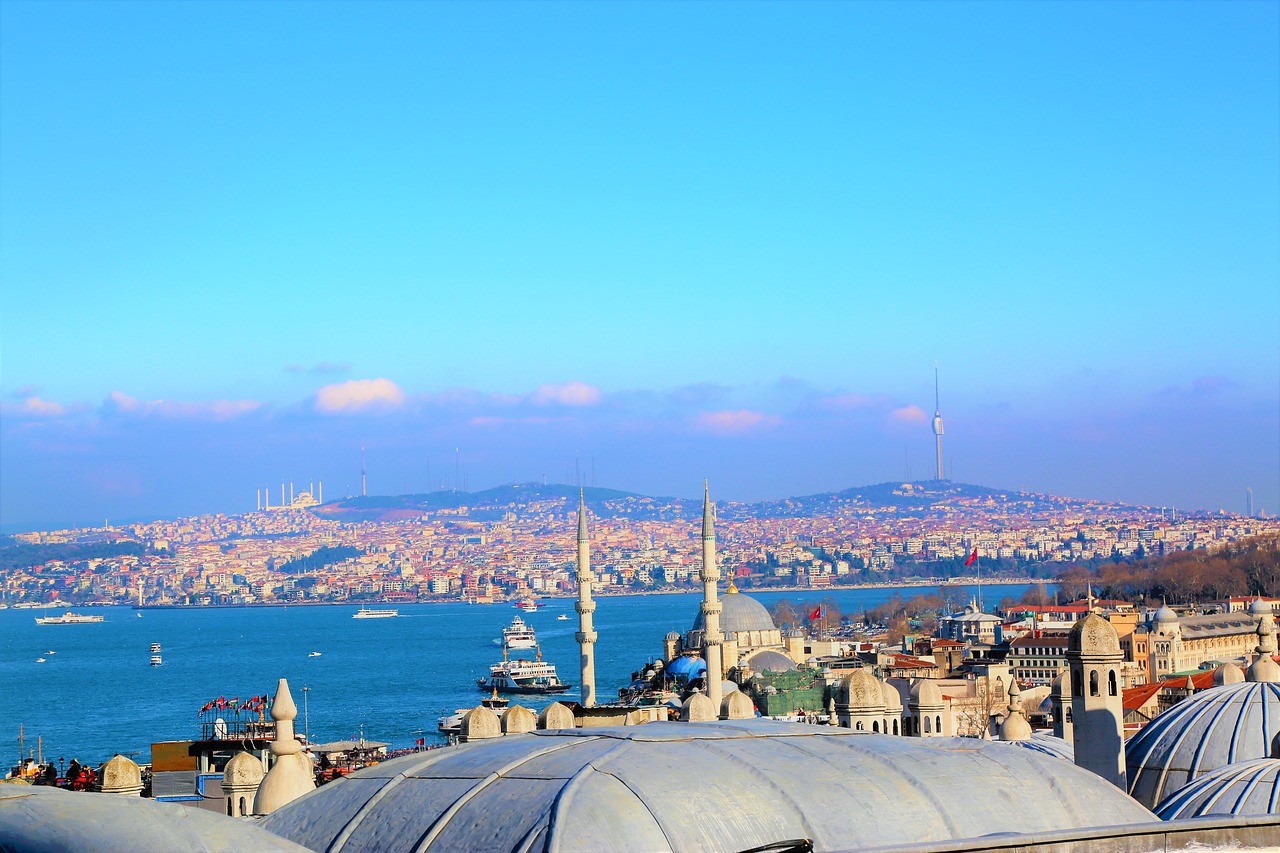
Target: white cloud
359	395
119	402
911	414
734	422
568	394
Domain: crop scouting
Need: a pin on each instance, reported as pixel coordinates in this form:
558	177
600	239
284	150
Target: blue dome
687	667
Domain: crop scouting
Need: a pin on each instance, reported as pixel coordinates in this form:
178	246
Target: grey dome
1213	728
1166	614
1247	788
1093	635
714	786
39	820
1259	607
1046	744
739	613
770	661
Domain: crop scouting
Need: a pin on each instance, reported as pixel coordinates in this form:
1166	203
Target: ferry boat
368	613
519	635
68	618
528	605
522	676
155	655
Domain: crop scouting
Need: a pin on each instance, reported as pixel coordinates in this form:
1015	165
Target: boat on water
370	613
39	660
451	724
518	675
314	655
519	635
563	617
528	605
155	648
156	660
68	618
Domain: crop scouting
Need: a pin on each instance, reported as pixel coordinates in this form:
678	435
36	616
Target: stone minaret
1015	725
585	607
290	776
1264	668
711	637
1094	658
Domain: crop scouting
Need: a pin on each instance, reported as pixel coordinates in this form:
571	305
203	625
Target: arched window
1111	683
844	724
895	727
858	727
927	730
875	726
1093	683
1077	683
937	724
229	814
243	811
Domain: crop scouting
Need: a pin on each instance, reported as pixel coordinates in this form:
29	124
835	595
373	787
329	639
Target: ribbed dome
1166	614
715	786
739	613
1046	744
244	768
1093	635
1213	728
1247	788
861	690
892	701
771	661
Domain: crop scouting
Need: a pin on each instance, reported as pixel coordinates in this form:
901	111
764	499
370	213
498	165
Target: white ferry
156	660
522	676
368	613
528	605
68	618
519	635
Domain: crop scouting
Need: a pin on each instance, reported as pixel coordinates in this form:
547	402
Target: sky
240	241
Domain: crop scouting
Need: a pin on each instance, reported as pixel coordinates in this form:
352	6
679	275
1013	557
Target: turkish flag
816	614
972	558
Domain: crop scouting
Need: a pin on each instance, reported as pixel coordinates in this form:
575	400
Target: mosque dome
1093	635
1211	729
1165	614
36	818
1246	788
770	661
861	689
1259	608
755	782
244	768
892	701
925	694
687	666
739	612
1227	673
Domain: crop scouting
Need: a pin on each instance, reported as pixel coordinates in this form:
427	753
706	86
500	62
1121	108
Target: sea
387	680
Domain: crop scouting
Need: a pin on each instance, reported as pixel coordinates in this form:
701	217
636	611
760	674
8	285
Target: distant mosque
302	500
884	776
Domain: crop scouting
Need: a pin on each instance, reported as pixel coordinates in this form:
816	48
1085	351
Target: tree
784	613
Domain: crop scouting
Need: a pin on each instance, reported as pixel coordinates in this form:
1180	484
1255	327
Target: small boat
369	613
155	648
156	661
69	618
39	660
314	655
522	676
51	652
563	617
139	615
519	635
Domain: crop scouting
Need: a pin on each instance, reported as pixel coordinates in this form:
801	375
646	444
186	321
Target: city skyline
240	243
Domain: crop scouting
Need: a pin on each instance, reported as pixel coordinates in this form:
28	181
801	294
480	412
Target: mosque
885	776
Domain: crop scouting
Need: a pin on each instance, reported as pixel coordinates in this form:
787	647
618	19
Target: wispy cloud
119	403
321	368
359	395
734	422
573	393
31	406
911	414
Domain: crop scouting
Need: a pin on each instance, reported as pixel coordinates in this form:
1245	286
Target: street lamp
306	713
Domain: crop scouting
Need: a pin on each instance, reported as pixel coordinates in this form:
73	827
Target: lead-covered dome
771	661
1247	788
739	613
1093	635
715	786
1211	729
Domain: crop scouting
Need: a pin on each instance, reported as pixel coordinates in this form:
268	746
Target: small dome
517	719
1046	744
1227	673
770	661
1259	607
860	690
925	694
244	769
119	774
687	666
738	613
737	706
479	723
1165	614
1211	729
1246	788
892	701
1059	685
673	635
698	708
556	716
1093	635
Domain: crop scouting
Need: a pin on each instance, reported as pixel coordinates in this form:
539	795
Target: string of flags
252	705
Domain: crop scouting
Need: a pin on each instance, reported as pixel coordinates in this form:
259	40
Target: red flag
972	558
421	741
816	614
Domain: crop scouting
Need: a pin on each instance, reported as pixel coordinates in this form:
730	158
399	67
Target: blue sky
238	241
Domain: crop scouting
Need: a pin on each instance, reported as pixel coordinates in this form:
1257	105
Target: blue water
97	694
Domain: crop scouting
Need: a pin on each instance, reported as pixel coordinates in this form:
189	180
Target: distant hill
925	499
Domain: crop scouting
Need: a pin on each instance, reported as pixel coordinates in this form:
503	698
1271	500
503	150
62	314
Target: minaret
711	637
937	421
585	607
290	775
1094	658
363	482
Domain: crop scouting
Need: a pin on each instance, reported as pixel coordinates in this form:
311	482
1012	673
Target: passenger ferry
68	618
368	613
519	635
155	655
522	676
528	605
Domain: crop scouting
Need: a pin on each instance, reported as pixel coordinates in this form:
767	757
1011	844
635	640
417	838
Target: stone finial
121	776
289	778
698	708
737	706
1265	668
1227	673
1015	725
480	723
518	719
556	716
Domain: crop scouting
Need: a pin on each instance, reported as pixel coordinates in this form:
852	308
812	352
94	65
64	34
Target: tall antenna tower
1248	501
937	421
364	482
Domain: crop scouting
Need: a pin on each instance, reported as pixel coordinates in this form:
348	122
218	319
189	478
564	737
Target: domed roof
1213	728
1093	635
1166	614
739	612
1046	744
1227	673
686	666
892	700
121	772
756	781
244	768
925	694
770	661
1246	788
1259	607
38	818
861	690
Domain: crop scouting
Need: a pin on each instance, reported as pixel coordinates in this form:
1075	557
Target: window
938	725
1093	683
926	726
1111	683
243	811
875	726
1077	683
895	727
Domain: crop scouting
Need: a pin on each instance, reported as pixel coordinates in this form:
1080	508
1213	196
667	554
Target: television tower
1248	501
937	421
364	484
